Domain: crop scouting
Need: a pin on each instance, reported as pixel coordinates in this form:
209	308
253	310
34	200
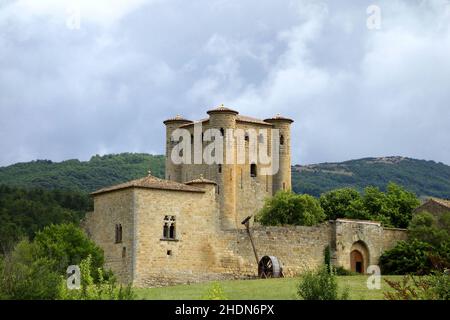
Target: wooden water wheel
270	267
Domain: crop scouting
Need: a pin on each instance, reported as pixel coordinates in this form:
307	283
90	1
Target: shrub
320	285
215	292
287	208
407	257
102	289
432	287
341	271
427	249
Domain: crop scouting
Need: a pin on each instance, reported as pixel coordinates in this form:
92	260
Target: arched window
253	170
219	168
169	228
222	132
281	140
172	231
166	231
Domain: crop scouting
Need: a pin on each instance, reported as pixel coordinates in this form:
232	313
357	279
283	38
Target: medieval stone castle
187	227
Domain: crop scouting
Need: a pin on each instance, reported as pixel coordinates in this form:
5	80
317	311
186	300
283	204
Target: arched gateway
359	257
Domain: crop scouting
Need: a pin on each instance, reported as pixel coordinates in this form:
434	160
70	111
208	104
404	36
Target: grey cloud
107	87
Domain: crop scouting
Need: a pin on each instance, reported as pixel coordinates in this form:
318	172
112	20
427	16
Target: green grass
275	289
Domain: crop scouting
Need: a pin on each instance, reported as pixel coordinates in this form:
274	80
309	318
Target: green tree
68	245
338	203
400	205
25	274
287	208
23	212
431	229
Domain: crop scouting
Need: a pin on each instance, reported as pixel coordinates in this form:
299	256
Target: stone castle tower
240	187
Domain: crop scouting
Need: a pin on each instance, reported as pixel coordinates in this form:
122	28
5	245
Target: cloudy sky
79	78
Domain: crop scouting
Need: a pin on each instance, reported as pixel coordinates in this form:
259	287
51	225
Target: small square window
169	252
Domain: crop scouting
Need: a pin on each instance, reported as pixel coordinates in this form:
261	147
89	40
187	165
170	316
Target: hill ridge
424	177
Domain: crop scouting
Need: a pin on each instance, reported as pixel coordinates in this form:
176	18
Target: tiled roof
191	124
201	180
151	182
177	118
221	109
278	117
252	120
445	203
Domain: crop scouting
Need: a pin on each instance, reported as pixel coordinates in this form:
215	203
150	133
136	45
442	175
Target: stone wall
204	251
192	256
368	237
297	247
110	209
391	236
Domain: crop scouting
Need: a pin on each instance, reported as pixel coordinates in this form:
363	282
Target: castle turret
223	118
282	179
173	171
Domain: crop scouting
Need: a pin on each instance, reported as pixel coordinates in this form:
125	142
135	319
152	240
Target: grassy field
277	289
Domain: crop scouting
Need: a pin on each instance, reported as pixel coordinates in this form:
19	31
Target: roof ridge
443	202
150	182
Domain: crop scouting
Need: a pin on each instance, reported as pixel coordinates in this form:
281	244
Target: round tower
223	118
282	179
173	171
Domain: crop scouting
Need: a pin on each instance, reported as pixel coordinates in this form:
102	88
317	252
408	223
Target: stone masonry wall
367	236
111	209
298	248
204	251
192	256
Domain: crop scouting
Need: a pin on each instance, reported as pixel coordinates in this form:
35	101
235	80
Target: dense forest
23	212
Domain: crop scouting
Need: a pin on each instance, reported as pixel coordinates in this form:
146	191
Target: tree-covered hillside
23	212
424	178
84	176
